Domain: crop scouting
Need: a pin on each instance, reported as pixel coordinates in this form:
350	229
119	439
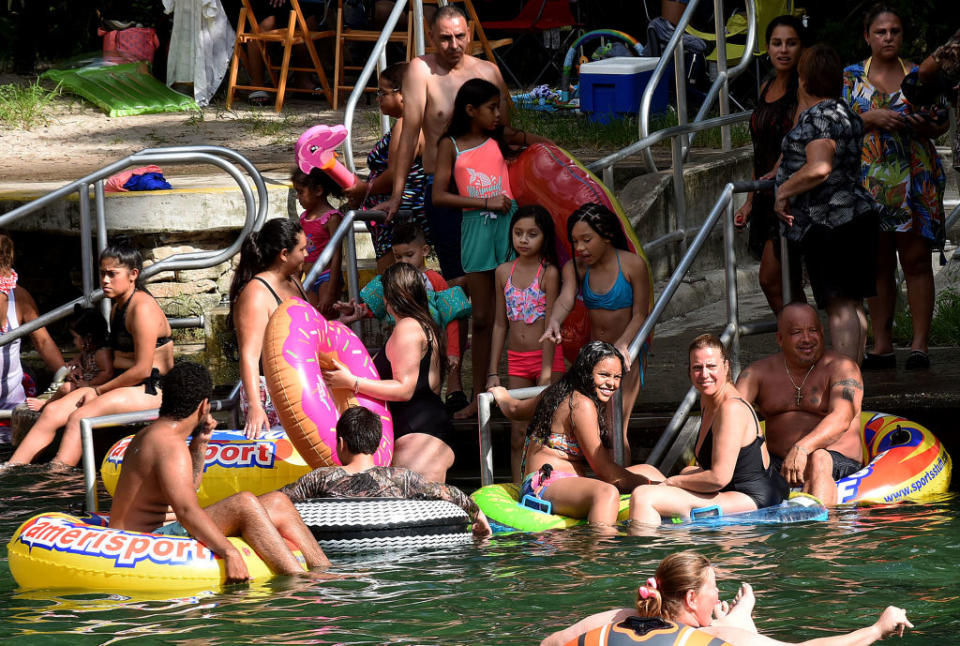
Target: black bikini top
120	338
277	296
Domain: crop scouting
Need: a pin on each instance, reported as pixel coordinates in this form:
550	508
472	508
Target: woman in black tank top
411	371
733	469
271	261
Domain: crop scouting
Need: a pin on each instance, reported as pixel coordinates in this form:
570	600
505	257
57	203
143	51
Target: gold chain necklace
797	388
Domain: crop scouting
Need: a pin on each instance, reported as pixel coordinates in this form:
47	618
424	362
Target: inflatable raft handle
537	504
899	436
713	511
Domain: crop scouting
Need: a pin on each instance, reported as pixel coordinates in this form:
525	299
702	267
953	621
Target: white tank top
11	372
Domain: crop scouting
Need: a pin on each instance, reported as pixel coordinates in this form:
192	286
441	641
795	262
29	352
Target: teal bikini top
619	296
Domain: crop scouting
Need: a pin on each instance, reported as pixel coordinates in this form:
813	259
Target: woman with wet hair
411	368
569	434
142	345
271	261
683	593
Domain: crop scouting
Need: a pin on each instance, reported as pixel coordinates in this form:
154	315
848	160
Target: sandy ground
80	138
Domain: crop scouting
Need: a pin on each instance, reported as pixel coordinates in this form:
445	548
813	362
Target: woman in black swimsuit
411	371
733	469
142	345
271	261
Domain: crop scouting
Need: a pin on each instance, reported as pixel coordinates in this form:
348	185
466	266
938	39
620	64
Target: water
811	581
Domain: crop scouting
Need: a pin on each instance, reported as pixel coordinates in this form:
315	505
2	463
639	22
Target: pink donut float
297	344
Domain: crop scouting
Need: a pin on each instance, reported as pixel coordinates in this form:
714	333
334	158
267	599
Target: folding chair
295	33
736	25
535	18
345	34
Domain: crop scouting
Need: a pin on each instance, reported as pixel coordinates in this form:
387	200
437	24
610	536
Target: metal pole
384	119
785	283
89	466
353	273
730	275
419	42
608	177
679	190
102	239
617	430
86	246
718	19
484	402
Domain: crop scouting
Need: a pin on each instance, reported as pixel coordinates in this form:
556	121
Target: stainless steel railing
731	334
224	158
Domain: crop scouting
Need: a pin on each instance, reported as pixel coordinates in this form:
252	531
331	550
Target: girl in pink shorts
525	290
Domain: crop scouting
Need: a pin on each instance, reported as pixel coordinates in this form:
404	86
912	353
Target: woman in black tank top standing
268	273
142	345
411	371
733	469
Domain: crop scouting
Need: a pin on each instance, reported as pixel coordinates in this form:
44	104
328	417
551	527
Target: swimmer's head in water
184	389
800	334
685	581
360	430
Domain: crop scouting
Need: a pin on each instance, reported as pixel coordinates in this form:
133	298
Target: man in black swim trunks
358	437
810	398
157	489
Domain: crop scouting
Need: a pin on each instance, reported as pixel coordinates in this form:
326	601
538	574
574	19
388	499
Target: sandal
879	361
258	97
918	360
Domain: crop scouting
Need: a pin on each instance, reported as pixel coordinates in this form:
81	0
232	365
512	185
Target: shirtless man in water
810	398
157	490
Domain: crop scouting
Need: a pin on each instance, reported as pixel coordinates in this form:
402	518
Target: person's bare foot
468	412
35	403
740	610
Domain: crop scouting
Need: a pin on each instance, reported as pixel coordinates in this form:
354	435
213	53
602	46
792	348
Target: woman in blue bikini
615	287
569	433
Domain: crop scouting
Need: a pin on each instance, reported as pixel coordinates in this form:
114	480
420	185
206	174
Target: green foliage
945	328
25	106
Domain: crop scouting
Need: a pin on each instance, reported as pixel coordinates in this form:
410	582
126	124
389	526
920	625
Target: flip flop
258	97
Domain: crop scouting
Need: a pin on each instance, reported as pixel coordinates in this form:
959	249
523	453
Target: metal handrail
231	403
214	155
378	58
720	85
347	230
732	331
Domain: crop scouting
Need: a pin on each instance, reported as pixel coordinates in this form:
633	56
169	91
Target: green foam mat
122	90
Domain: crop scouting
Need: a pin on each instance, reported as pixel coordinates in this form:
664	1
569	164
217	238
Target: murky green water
810	580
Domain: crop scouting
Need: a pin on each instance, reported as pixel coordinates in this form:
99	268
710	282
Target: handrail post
618	447
730	275
419	42
86	249
89	466
353	272
101	238
721	27
484	402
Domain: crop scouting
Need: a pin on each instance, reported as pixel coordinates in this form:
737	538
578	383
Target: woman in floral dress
904	174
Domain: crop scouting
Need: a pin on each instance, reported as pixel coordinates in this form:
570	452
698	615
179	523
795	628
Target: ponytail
259	250
663	594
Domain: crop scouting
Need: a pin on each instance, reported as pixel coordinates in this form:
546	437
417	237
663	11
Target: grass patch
25	106
571	130
945	327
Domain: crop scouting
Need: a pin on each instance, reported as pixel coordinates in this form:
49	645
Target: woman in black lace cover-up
772	119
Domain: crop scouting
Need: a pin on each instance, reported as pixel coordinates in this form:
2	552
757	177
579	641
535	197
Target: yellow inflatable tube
54	550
